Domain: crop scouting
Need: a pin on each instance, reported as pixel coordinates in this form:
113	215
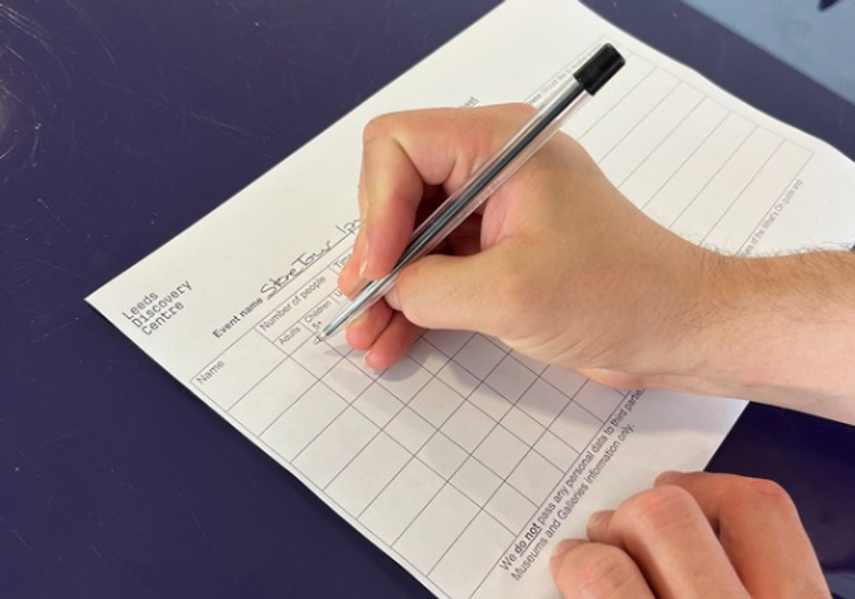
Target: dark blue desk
120	125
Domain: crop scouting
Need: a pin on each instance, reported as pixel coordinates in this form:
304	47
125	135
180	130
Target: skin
695	535
561	267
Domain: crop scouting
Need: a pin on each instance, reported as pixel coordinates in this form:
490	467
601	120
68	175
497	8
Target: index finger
405	152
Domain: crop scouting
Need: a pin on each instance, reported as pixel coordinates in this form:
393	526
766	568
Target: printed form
466	462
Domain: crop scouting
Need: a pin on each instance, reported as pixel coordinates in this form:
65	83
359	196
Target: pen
534	133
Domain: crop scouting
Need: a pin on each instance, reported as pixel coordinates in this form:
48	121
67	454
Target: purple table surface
122	123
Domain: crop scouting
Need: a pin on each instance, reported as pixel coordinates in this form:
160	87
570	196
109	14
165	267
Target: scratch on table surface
92	161
62	436
210	542
16	533
132	576
54	266
355	53
38	470
295	91
89	23
164	104
56	330
144	18
17	286
230	131
33	30
98	515
53	214
18	139
219	123
126	485
297	30
104	361
795	429
37	128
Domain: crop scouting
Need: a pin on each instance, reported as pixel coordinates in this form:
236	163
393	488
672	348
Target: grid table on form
451	450
685	159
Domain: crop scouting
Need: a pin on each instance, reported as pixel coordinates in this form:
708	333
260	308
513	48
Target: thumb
583	569
453	292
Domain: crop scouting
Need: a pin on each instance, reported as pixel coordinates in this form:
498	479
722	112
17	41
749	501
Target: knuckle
520	110
768	488
769	493
406	283
375	128
502	119
407	289
659	508
602	571
814	589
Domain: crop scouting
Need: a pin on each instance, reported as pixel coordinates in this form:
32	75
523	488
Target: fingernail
667	477
596	521
358	321
391	298
363	263
365	360
565	546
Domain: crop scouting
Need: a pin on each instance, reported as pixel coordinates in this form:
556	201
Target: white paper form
467	461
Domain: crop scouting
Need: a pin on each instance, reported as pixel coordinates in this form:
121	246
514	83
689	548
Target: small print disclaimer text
561	504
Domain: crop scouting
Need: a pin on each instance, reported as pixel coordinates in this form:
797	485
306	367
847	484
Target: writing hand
557	264
561	267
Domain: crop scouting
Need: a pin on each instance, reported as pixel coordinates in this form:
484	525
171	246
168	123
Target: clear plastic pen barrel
537	130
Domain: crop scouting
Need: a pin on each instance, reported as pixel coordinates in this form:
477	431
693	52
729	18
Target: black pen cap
596	72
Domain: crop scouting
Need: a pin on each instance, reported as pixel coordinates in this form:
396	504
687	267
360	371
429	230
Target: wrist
773	330
705	307
726	322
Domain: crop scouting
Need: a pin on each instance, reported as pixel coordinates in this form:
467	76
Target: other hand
694	536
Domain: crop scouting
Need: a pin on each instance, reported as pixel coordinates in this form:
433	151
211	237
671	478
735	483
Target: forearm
779	330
